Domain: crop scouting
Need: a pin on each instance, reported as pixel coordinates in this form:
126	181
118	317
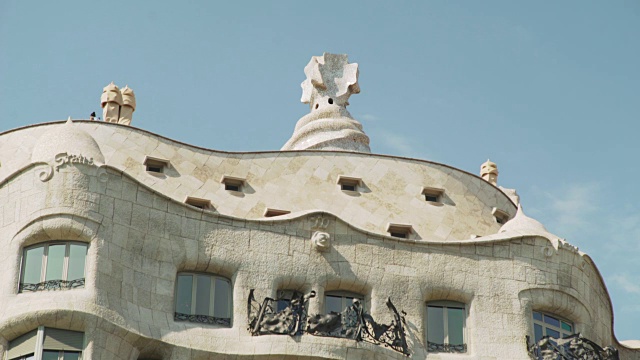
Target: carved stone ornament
318	222
321	241
63	160
353	323
573	347
548	251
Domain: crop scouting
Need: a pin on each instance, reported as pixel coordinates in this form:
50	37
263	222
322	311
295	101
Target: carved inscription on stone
65	159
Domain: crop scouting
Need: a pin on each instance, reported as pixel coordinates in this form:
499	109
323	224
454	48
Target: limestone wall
139	239
299	182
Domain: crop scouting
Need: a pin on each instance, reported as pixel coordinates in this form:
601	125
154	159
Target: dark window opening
348	187
399	235
330	101
431	197
231	187
155	169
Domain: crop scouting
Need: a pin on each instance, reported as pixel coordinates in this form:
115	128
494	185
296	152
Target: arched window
550	325
55	265
337	301
47	344
446	321
203	298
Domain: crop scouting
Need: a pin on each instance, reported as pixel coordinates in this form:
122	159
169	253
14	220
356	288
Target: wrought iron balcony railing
202	319
573	347
353	323
52	285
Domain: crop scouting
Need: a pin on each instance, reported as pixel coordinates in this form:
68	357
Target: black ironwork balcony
52	285
573	347
202	319
265	319
353	323
451	348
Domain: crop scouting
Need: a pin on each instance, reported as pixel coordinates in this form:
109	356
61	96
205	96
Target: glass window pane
55	260
435	324
282	304
333	304
183	294
71	355
553	333
77	255
537	329
455	320
32	265
551	320
537	316
50	355
221	304
203	294
567	327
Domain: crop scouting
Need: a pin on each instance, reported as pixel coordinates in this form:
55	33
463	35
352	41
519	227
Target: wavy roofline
55	122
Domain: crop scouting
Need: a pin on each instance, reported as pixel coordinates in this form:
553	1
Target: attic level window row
348	184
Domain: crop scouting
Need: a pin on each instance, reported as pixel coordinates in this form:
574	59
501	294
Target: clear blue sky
548	90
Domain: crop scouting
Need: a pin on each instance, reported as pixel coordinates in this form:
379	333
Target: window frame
500	216
213	277
151	163
233	184
545	325
436	193
400	231
349	184
345	296
45	259
199	203
39	345
446	304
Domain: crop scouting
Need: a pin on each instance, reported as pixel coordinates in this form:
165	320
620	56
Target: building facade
123	244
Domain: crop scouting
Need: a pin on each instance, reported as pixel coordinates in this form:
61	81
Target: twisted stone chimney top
330	82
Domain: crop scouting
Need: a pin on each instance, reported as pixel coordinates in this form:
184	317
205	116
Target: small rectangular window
233	183
155	165
348	183
203	204
433	195
349	187
232	187
500	216
400	230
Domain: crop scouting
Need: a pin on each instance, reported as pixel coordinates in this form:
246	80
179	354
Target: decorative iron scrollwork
347	324
392	335
353	323
573	347
435	347
52	285
202	319
266	319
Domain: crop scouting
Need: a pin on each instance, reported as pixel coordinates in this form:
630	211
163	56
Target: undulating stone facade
323	218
